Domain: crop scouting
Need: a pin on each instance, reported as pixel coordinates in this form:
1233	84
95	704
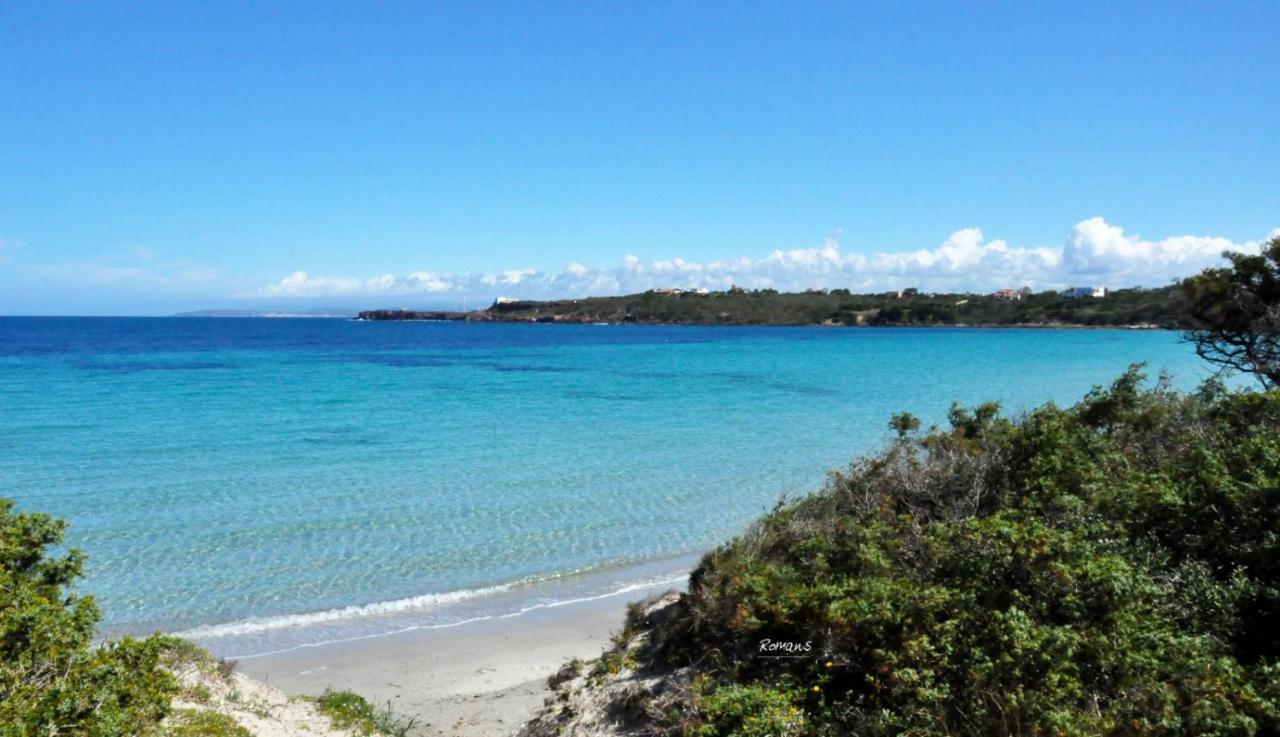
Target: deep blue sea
266	484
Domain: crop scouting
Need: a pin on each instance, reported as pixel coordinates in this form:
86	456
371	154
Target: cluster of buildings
1083	292
1011	295
674	290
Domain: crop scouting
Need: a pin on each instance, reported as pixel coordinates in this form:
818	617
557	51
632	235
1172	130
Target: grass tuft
193	723
349	710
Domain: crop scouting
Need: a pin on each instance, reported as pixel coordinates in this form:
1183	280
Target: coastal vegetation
53	678
909	307
1234	313
57	678
1110	568
353	712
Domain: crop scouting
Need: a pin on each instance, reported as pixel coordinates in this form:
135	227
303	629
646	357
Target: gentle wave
471	620
258	625
255	625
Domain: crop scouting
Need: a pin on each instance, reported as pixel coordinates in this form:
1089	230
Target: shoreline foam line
449	625
420	602
255	625
539	591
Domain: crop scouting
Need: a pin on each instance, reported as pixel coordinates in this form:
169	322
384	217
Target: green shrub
193	723
54	679
748	711
348	710
1112	568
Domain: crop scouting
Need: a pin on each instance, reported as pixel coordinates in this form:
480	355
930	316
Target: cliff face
416	315
505	312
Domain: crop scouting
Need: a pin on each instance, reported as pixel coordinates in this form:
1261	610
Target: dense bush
1112	568
54	679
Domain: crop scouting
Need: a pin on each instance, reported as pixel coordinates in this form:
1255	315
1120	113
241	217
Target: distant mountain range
315	312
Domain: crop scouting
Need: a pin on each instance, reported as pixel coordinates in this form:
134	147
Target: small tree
904	423
54	679
1235	313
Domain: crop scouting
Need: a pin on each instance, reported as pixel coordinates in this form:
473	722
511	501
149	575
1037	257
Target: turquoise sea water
268	484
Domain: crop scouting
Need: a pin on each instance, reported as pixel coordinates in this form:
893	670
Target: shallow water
267	484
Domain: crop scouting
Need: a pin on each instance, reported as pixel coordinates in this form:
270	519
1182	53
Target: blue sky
169	156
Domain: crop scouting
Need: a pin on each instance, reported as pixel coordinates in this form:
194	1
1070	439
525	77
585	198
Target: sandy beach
484	678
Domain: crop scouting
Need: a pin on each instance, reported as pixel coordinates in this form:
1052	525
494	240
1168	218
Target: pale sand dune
259	708
484	678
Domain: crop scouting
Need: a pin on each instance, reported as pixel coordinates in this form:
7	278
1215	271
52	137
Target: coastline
258	637
838	326
1123	308
485	677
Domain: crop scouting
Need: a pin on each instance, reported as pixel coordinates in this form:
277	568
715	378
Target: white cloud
1094	253
1096	247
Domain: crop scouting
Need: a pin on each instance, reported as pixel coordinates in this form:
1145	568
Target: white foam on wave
654	583
410	605
257	625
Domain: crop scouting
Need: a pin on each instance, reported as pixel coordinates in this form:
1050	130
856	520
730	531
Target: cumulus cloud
1094	253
